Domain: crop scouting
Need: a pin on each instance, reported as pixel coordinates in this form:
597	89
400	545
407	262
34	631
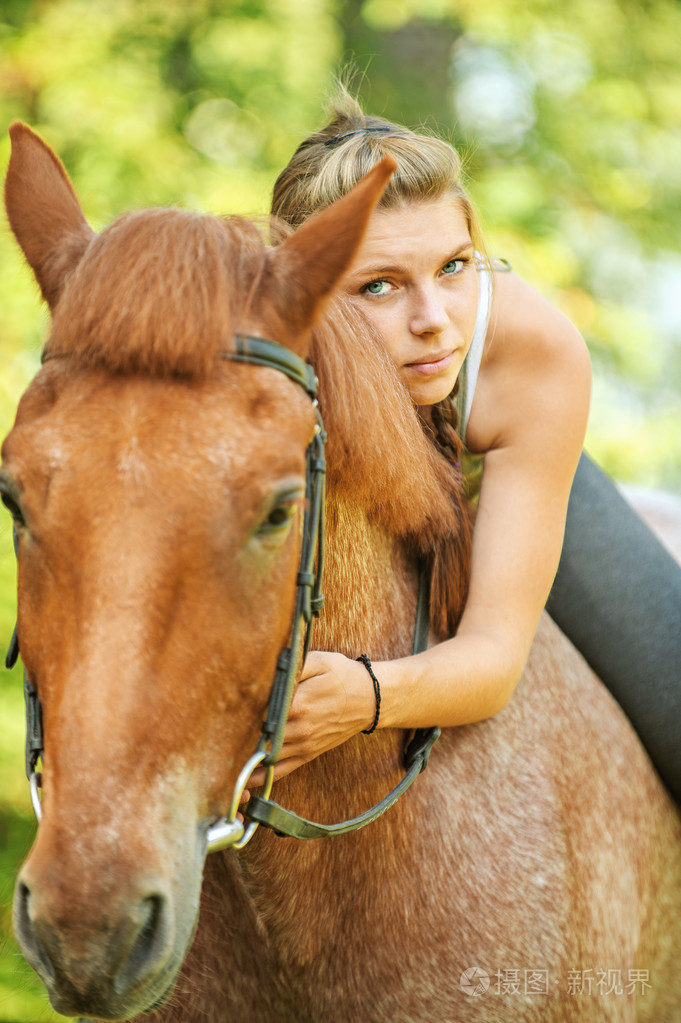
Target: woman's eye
453	267
377	288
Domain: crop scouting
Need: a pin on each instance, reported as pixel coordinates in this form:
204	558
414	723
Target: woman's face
414	277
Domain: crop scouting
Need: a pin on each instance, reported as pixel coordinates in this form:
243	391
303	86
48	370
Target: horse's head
156	492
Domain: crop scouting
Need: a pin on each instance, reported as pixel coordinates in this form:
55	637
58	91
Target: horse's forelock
158	292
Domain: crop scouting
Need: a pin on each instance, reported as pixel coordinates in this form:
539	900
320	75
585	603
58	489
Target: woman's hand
333	701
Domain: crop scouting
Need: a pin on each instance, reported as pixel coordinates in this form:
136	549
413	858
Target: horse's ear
43	211
310	263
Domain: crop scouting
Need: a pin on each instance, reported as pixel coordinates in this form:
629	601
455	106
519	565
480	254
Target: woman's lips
431	364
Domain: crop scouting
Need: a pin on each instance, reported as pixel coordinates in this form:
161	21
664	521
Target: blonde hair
330	162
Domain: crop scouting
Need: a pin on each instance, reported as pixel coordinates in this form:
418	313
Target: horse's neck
370	586
370	589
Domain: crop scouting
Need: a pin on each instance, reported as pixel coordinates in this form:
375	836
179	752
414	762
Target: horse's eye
13	508
279	517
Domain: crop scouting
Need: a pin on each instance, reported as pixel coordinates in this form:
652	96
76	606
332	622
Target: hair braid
445	422
451	559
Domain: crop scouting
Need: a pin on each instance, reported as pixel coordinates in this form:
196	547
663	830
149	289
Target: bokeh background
568	116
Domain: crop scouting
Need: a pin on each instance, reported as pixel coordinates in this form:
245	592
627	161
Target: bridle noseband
230	831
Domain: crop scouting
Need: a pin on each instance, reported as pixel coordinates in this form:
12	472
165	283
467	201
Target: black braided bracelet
377	693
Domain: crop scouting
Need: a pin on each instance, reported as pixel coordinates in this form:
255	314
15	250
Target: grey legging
617	596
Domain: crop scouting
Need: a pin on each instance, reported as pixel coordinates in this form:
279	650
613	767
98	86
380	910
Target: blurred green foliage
567	117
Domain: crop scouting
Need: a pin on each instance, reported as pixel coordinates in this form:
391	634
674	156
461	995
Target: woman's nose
428	313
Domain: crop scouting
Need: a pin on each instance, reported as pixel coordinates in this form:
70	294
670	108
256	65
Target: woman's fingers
281	769
333	701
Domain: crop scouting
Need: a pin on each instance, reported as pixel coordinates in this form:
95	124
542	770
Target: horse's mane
159	293
381	457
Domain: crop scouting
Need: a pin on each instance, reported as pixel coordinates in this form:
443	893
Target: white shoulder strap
471	367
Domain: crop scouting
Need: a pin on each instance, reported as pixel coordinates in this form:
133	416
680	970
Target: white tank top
468	377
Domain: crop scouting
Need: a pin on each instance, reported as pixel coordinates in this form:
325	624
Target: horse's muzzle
117	970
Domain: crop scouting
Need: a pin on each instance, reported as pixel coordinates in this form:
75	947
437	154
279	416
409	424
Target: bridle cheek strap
309	599
34	717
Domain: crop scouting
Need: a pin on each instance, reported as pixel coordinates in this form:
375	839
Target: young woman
480	350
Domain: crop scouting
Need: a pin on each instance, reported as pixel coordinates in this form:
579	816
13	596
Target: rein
229	831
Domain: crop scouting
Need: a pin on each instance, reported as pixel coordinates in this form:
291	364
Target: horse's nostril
23	925
101	961
149	945
23	899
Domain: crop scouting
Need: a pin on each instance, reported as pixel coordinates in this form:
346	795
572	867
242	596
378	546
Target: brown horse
533	871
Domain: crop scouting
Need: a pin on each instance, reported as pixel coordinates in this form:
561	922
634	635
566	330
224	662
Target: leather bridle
230	831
